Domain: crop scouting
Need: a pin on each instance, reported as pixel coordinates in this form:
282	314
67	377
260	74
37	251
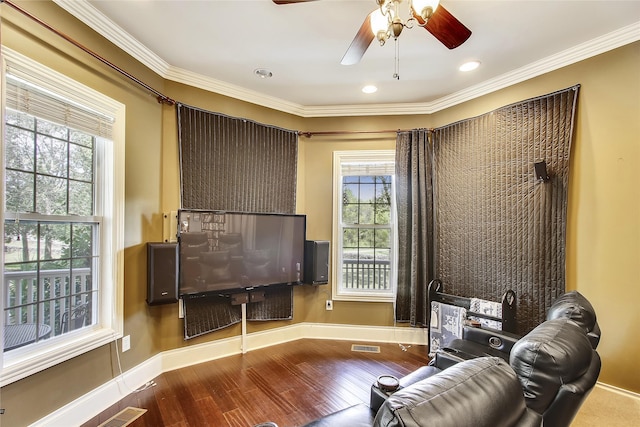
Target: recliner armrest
377	396
447	357
499	340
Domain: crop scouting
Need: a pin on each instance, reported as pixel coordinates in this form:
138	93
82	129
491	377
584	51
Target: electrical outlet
126	343
329	305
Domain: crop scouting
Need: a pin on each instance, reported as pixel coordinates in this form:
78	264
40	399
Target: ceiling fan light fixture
424	8
396	27
469	66
379	24
386	21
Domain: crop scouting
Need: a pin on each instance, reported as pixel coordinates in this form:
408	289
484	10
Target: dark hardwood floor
289	384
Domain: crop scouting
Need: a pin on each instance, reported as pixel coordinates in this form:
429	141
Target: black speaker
162	273
540	169
316	262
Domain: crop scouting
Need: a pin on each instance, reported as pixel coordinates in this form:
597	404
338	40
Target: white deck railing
366	274
43	297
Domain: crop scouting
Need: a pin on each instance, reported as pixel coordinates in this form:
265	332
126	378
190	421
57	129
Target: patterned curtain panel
207	314
234	164
497	226
415	226
277	305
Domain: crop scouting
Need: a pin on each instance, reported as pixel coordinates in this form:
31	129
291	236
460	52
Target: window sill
23	362
364	297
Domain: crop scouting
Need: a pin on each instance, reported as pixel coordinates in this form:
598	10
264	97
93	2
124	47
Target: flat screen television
224	252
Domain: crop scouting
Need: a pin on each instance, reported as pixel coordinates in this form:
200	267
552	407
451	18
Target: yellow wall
603	242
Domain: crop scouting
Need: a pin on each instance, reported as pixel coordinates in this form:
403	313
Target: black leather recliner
481	392
557	368
478	392
555	363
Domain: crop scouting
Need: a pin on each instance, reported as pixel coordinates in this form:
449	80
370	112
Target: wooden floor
289	384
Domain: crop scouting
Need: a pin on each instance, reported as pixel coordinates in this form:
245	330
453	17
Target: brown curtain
497	226
414	195
234	164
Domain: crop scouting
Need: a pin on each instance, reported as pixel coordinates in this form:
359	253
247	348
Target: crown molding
200	81
86	13
104	26
610	41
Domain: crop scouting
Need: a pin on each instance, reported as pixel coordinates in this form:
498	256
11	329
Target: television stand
243	298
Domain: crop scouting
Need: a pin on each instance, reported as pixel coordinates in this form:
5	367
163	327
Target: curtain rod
347	132
163	99
353	132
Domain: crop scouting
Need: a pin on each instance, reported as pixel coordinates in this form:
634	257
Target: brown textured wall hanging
498	224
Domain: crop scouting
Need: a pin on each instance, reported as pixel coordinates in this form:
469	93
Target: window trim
25	361
339	294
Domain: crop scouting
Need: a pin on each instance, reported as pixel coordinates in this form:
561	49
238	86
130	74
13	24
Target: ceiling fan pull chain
396	74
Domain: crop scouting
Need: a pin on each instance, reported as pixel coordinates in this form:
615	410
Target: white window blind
374	168
25	97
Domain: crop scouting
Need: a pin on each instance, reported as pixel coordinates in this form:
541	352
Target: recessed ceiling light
263	73
369	89
469	66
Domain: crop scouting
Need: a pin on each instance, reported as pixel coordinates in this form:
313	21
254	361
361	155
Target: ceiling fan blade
446	28
360	43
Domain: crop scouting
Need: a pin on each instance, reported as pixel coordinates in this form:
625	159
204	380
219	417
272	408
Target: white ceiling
217	45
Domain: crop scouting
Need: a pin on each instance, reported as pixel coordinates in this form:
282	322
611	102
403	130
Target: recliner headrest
556	352
576	307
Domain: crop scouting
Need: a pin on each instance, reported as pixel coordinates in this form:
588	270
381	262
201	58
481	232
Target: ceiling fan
385	22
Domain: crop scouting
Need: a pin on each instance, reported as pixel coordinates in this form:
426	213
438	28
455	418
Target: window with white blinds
63	202
364	249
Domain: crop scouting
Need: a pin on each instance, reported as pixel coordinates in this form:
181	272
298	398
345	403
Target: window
364	250
63	199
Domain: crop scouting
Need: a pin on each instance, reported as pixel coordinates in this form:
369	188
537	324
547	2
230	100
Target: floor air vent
365	348
124	417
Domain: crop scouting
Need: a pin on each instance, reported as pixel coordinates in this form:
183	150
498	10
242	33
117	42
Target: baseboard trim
613	389
86	407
